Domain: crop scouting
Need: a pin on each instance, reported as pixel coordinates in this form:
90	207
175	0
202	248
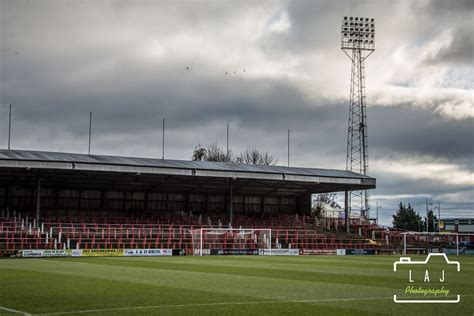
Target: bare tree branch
214	152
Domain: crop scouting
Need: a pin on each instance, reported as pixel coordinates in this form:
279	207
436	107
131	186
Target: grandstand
108	202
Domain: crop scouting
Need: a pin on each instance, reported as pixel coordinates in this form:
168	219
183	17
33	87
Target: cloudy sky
127	63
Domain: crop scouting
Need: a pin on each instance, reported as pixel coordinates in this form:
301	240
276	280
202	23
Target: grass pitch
227	285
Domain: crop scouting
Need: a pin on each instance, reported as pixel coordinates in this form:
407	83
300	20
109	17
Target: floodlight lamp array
358	33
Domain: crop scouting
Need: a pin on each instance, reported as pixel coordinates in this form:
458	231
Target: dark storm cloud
416	131
459	51
450	15
442	7
399	184
314	26
131	98
192	102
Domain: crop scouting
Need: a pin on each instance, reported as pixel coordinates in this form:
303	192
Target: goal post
231	241
426	242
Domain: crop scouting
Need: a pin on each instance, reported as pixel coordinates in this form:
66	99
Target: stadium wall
55	201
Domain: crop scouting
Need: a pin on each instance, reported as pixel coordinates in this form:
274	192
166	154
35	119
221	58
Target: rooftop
56	164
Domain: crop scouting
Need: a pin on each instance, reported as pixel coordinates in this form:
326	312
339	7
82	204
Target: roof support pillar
38	199
31	197
55	206
346	210
6	200
145	203
186	196
124	201
102	198
79	204
231	202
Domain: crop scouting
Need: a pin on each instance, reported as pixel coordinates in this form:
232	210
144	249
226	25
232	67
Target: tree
199	153
432	222
268	160
406	218
214	152
255	157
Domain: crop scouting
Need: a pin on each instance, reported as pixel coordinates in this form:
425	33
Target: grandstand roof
60	165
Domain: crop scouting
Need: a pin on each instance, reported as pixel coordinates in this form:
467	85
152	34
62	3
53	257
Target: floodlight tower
358	43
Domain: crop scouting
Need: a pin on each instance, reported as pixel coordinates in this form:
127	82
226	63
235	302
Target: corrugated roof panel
168	163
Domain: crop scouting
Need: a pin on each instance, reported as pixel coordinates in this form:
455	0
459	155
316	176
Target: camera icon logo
421	277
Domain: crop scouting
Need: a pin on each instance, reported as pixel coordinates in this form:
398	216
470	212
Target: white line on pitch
11	310
215	304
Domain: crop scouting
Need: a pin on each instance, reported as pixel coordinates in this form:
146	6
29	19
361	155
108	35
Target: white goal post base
231	241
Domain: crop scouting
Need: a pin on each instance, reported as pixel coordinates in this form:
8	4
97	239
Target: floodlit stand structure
358	43
176	195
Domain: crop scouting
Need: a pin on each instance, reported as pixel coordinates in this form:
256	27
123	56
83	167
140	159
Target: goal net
448	243
230	241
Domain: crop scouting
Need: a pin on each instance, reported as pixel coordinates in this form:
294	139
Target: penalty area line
215	304
11	310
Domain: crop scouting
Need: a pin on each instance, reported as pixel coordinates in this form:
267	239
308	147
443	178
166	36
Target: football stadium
119	231
120	235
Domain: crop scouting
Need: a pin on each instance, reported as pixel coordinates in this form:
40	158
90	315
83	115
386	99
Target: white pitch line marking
215	304
11	310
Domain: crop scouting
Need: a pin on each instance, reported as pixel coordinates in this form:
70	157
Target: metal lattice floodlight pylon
358	43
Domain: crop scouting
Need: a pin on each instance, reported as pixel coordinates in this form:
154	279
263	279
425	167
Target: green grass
227	285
